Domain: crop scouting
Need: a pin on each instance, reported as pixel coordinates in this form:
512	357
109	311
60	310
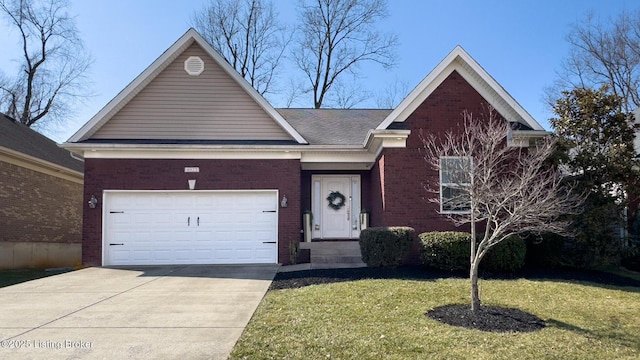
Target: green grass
384	319
12	277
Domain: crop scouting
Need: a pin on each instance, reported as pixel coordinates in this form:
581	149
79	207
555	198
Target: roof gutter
40	165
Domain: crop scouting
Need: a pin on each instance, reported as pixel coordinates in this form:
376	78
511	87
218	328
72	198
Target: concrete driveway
152	312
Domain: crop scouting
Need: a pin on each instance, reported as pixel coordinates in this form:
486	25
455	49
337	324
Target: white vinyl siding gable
179	106
455	183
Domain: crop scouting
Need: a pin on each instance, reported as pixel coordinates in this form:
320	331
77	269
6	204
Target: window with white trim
455	184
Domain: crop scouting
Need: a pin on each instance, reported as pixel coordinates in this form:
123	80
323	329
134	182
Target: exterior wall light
283	202
93	202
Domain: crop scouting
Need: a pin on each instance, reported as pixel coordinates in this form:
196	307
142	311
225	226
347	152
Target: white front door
336	206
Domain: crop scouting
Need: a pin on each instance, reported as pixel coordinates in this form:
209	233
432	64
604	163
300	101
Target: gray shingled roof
334	126
20	138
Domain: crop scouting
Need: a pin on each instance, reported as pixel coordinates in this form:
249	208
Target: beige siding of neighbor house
176	105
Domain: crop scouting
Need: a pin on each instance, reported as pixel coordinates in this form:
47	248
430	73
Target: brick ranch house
189	164
40	200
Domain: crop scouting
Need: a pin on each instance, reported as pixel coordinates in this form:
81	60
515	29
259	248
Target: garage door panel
120	255
244	254
263	235
162	237
137	255
191	227
142	238
263	254
203	254
204	237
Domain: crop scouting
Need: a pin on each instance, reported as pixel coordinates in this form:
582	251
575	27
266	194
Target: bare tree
248	35
392	94
603	54
53	62
335	37
347	96
507	189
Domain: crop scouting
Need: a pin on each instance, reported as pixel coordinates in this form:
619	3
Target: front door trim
328	223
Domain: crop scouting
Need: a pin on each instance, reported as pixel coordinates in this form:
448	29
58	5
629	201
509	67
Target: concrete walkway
154	312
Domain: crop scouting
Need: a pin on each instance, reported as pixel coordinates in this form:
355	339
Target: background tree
598	142
604	53
600	136
392	94
335	37
52	63
509	190
248	35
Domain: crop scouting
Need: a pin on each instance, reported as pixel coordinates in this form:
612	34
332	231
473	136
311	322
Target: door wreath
336	200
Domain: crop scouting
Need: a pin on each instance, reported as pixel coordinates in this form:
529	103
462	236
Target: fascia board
521	138
530	133
381	134
205	147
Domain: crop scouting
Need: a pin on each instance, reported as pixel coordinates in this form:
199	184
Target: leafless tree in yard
507	189
335	37
52	60
603	53
248	35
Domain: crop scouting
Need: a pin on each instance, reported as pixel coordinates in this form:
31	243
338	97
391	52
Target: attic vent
194	65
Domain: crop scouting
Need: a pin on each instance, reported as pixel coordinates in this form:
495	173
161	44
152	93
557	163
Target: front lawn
384	318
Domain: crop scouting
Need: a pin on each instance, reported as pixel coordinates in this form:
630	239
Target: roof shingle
334	126
20	138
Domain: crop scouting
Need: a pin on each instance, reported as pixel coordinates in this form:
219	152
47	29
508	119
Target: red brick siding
168	174
402	173
36	207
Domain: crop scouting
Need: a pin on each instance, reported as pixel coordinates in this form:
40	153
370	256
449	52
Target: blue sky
520	43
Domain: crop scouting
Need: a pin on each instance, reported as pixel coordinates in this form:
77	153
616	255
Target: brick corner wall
37	210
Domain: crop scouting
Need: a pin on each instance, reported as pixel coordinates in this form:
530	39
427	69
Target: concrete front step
320	245
336	266
328	252
336	259
334	254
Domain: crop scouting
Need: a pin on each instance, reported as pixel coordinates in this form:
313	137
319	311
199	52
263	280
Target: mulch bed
489	318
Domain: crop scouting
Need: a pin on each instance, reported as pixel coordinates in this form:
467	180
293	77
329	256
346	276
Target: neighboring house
40	200
189	121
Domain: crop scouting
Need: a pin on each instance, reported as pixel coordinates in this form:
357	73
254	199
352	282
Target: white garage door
195	227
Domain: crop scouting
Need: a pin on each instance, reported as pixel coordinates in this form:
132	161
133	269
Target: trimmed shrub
506	257
448	250
451	250
385	246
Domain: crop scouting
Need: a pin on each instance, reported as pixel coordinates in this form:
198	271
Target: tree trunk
475	296
473	261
